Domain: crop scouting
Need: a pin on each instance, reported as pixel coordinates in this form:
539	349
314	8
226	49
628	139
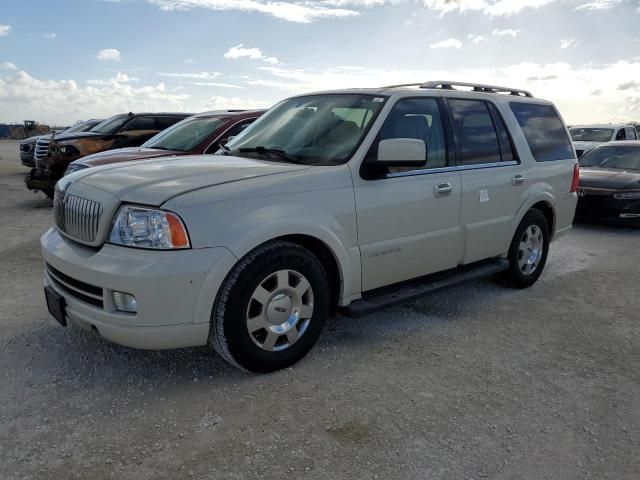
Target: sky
77	59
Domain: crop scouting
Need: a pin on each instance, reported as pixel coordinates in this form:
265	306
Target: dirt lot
477	382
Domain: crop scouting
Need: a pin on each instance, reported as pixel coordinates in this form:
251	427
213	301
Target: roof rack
476	87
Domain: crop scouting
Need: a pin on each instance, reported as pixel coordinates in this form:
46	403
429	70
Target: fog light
125	302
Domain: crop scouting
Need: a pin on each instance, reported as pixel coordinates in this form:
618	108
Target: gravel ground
476	382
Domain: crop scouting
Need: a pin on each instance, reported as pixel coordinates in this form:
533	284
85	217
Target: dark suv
53	154
28	145
202	133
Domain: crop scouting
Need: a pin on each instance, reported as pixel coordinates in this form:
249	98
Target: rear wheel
271	308
528	251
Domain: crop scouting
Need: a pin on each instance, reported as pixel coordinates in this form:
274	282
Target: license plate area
56	305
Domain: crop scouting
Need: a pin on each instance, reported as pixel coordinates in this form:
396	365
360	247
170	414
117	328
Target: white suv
347	200
586	137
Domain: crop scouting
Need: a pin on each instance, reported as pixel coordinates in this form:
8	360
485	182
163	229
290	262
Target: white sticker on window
378	99
484	195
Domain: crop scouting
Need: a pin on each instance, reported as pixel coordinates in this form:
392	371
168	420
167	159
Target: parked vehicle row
53	154
351	200
28	146
199	134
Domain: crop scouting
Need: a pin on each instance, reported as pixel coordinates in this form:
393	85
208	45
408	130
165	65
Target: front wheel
271	308
528	251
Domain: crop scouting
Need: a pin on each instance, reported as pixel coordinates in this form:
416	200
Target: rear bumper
173	290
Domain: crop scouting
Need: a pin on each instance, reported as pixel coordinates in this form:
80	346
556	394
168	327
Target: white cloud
49	36
598	5
448	43
64	101
568	43
4	30
224	103
215	84
476	39
196	75
489	7
109	54
507	32
298	11
8	66
571	88
240	51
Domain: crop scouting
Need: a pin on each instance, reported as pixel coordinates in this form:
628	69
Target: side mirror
402	152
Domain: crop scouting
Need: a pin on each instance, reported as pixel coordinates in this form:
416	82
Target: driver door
409	218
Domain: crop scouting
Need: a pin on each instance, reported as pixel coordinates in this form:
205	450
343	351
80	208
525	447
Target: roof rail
477	87
403	85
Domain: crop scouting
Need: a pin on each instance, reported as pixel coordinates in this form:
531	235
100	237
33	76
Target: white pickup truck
586	137
347	200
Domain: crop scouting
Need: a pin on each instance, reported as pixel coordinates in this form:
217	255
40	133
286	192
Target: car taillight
576	179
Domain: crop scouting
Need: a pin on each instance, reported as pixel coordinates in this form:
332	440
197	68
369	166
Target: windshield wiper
270	151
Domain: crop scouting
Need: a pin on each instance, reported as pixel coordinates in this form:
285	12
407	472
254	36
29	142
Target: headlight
626	195
148	228
67	149
74	167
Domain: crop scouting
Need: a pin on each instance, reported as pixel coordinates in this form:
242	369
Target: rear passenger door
408	218
493	179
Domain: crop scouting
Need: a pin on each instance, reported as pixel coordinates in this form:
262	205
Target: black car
609	187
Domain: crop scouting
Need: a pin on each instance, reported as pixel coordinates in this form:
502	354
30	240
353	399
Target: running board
390	296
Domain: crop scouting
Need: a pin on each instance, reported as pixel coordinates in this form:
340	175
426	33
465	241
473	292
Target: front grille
80	290
76	216
42	148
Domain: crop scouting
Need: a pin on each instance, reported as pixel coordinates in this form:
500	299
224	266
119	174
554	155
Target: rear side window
166	122
621	135
140	123
476	132
544	131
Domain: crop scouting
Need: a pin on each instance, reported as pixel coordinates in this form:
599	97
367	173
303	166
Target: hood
153	182
609	178
35	138
125	155
76	135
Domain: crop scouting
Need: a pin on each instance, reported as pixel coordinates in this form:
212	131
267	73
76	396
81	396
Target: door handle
442	189
517	180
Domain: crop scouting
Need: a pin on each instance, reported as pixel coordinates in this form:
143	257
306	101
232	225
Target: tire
532	227
265	296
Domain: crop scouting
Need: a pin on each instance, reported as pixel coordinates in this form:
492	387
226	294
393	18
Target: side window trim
494	111
493	121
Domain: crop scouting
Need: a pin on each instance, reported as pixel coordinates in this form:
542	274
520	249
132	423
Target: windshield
79	127
622	158
591	134
315	129
184	136
110	125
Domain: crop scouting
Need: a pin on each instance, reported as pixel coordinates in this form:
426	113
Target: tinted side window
544	131
165	122
621	135
507	150
140	123
631	133
476	132
417	118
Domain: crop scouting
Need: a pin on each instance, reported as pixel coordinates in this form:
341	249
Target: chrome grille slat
42	148
77	217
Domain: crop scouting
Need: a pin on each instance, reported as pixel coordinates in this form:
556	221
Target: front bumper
607	209
40	179
26	158
174	290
